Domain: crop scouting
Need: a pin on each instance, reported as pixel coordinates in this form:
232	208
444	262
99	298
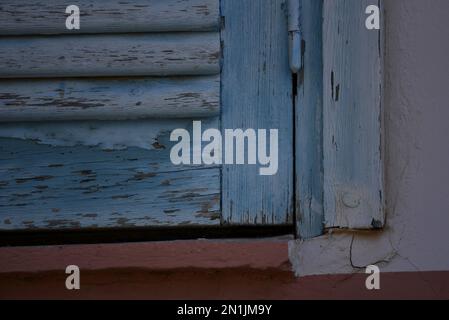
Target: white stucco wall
417	154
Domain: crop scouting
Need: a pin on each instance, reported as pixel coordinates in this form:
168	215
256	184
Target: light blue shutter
85	116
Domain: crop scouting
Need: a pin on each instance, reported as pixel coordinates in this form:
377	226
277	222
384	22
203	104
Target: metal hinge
295	34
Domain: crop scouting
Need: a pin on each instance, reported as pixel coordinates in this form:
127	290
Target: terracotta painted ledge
201	269
198	254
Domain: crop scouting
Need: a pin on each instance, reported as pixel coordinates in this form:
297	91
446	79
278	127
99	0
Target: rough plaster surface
417	155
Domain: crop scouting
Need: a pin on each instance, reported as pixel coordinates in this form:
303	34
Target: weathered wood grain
109	99
110	55
48	187
309	124
28	17
352	117
257	93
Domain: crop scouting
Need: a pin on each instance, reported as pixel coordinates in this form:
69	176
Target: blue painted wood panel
257	93
58	187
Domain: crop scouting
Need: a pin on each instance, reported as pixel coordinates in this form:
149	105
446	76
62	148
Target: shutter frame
308	122
351	160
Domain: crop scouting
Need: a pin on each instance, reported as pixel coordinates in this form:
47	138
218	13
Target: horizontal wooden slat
59	187
110	55
109	99
26	17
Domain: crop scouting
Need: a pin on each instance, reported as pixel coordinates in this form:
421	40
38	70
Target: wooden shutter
133	72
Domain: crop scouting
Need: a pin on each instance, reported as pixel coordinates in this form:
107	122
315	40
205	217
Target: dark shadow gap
117	235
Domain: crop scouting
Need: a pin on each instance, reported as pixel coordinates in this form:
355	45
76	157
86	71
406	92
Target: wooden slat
257	94
109	99
110	55
309	124
352	117
48	187
27	17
